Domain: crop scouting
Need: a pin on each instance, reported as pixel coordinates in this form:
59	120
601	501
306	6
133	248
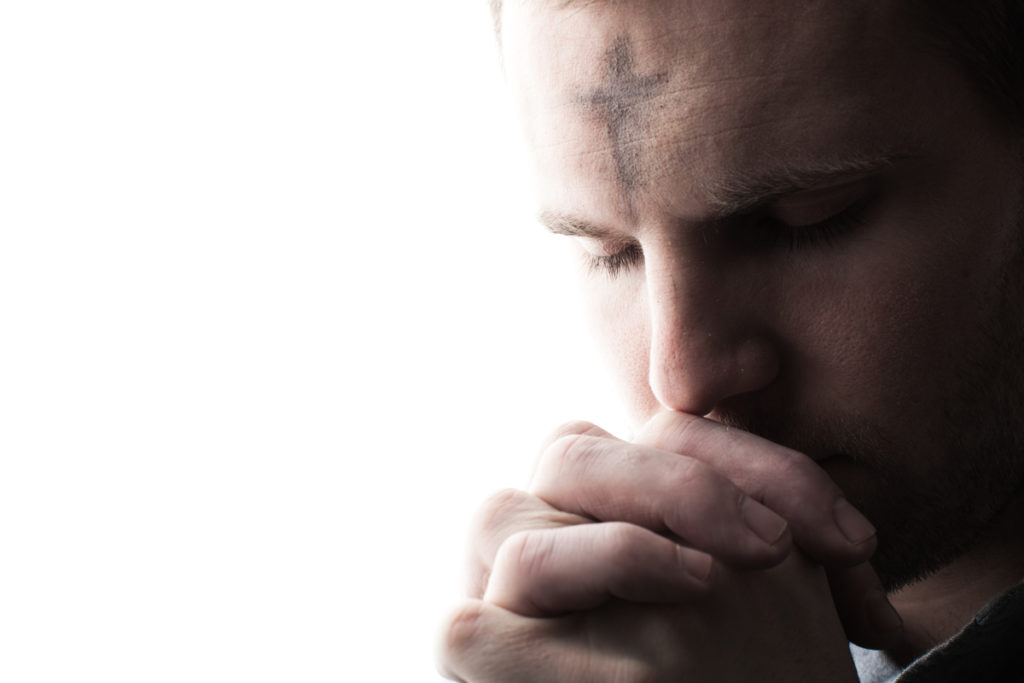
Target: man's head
801	220
982	38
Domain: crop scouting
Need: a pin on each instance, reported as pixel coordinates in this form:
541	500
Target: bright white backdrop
274	318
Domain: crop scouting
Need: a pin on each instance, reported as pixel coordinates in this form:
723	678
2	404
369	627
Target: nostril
696	380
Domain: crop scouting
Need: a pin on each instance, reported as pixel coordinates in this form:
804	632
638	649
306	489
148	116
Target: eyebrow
744	192
564	224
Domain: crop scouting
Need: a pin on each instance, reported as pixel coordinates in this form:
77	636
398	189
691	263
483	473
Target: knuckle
565	454
803	474
500	506
790	463
568	447
461	629
686	432
622	540
699	496
700	482
568	429
528	552
687	473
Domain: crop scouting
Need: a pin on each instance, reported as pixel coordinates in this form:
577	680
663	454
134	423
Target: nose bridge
705	345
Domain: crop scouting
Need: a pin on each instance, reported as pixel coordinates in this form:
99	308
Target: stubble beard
931	509
925	523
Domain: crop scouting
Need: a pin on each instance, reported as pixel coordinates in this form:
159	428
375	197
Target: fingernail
882	616
698	564
853	524
768	526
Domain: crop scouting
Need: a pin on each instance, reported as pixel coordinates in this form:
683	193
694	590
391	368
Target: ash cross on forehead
619	103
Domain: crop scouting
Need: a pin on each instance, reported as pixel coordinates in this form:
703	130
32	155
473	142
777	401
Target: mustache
817	434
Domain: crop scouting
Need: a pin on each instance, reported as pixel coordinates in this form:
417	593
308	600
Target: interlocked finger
504	514
868	618
824	524
484	643
610	480
550	571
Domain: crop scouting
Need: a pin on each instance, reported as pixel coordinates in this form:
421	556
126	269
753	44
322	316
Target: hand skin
751	625
543	573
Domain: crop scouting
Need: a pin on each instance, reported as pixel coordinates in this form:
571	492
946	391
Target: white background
274	318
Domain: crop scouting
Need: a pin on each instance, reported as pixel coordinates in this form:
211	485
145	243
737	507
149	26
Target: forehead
701	89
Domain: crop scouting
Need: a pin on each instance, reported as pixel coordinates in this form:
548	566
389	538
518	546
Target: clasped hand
697	552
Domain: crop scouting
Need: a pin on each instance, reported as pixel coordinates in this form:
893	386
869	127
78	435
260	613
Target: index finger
824	524
609	480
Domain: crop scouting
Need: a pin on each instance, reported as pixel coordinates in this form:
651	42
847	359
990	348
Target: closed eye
777	234
612	265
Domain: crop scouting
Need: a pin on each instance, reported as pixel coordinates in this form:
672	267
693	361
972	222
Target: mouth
816	443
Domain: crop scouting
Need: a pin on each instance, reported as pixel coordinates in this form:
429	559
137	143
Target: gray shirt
990	648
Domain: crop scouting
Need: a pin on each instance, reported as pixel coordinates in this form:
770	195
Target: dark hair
985	38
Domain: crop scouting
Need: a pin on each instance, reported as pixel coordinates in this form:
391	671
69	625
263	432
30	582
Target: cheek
852	352
890	339
617	315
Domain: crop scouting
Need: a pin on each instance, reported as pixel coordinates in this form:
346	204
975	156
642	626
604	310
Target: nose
706	343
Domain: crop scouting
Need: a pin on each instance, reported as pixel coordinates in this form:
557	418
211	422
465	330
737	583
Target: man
802	229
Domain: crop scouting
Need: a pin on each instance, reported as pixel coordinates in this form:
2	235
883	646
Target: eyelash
771	233
613	264
820	234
